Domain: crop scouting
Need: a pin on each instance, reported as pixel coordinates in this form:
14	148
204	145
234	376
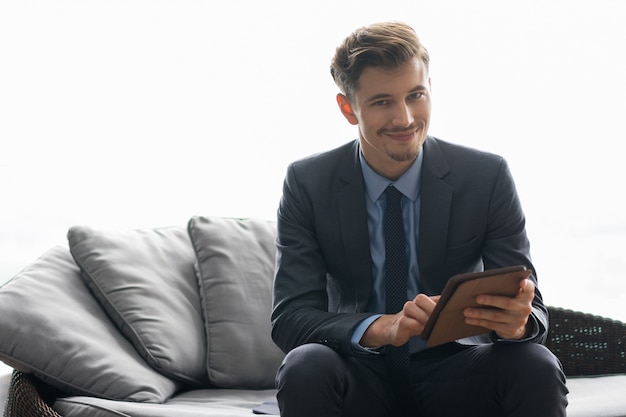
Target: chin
403	156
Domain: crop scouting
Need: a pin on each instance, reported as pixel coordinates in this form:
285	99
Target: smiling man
369	234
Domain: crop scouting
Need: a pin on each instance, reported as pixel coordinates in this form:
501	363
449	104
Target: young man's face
392	110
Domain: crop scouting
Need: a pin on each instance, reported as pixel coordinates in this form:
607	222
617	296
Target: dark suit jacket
470	219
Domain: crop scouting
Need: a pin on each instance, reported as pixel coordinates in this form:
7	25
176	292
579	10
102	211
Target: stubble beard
408	154
402	156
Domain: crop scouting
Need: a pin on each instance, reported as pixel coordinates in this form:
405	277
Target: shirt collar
408	184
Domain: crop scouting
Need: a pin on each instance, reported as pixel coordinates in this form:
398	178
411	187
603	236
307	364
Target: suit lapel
354	228
436	200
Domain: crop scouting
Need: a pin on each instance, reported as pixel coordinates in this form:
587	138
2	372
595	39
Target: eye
417	96
383	102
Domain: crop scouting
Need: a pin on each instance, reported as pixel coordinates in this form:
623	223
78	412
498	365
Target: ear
346	109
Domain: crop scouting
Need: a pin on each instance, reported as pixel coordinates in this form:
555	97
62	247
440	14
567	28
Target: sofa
174	321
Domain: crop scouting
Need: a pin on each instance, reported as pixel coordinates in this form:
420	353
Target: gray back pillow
236	271
145	281
52	326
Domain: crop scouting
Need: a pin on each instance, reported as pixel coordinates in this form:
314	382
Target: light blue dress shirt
409	185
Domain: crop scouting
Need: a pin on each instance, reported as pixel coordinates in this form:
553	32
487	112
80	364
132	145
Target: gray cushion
145	281
5	380
236	271
52	326
196	403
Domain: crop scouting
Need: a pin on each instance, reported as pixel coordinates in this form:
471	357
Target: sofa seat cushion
601	396
236	270
196	403
146	282
51	326
5	381
589	397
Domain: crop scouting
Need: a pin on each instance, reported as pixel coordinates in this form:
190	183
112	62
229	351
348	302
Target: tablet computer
447	322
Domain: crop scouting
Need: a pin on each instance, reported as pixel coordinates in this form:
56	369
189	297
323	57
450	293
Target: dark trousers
516	379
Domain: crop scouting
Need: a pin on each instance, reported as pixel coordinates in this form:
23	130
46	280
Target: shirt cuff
360	331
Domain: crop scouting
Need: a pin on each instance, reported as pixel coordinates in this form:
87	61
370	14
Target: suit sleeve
300	311
506	243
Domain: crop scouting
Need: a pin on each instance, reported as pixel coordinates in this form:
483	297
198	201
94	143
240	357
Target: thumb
527	286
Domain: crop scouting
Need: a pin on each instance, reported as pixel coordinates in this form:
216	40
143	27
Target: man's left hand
509	318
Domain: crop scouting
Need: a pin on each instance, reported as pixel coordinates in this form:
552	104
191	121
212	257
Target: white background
142	113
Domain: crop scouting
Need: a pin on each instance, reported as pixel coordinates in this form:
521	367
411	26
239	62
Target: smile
403	136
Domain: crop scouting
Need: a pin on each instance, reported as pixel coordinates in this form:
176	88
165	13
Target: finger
505	325
525	296
494	319
496	301
486	315
503	309
426	303
505	330
515	316
416	312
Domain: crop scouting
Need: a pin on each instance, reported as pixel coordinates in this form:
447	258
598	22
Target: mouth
402	136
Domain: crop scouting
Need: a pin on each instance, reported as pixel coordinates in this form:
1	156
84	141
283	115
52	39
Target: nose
402	117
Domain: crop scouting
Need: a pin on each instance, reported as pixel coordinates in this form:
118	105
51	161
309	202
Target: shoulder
446	158
312	182
327	166
328	158
459	153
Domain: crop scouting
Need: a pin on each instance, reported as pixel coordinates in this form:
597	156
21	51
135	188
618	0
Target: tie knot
393	195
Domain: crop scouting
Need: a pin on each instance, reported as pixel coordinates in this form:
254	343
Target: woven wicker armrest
587	344
29	397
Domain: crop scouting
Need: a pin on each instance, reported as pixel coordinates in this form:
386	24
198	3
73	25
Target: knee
539	357
532	361
537	377
310	364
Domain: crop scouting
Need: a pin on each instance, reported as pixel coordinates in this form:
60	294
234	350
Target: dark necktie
396	276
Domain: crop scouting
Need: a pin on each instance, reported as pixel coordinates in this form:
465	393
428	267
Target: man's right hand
397	329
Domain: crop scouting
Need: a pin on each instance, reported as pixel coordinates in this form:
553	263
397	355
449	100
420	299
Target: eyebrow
381	96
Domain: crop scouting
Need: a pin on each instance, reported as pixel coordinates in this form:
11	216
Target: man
459	212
